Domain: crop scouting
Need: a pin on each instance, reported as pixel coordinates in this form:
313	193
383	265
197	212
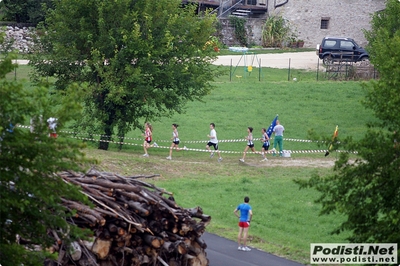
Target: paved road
223	252
301	60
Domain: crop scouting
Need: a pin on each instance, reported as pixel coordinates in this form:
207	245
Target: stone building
311	19
315	19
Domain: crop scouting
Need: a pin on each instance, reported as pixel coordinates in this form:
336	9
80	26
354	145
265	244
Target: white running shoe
220	159
211	155
264	160
155	145
240	248
145	155
185	148
241	160
246	249
169	158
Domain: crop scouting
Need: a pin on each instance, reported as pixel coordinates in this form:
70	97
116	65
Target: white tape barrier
186	141
188	149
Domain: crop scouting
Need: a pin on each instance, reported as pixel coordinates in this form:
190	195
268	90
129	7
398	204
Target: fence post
230	72
288	76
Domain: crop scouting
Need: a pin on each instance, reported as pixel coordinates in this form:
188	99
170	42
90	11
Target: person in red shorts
244	223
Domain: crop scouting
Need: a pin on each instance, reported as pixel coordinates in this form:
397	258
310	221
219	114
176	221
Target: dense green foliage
367	191
140	59
29	188
25	11
240	31
384	48
276	31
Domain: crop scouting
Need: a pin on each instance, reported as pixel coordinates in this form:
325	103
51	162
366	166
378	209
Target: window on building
324	23
252	2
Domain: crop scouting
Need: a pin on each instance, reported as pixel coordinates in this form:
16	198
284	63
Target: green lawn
301	106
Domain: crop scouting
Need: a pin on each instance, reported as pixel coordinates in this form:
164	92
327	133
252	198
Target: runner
213	142
250	143
175	141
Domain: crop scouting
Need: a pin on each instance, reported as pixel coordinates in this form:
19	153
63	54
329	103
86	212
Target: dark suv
339	48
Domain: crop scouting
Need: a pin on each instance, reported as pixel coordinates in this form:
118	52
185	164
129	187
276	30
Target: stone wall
253	30
17	38
347	18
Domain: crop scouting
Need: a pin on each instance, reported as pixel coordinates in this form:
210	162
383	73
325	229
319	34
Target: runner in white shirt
213	142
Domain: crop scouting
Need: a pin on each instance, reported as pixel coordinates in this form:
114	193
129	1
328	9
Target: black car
340	48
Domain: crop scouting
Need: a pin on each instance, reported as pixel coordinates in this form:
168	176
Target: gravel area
301	60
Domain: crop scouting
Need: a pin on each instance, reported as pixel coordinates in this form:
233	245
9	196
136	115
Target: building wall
253	28
347	18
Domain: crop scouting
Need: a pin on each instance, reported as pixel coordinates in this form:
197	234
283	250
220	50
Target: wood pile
133	223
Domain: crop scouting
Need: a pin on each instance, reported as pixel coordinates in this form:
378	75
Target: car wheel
327	60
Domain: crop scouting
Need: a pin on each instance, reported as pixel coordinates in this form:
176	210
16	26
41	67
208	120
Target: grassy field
286	219
234	106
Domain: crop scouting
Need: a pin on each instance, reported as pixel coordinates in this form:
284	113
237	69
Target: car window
330	44
346	45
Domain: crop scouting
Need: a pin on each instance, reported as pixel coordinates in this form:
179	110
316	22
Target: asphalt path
300	60
224	252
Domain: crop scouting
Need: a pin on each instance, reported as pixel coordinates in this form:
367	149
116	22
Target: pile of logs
133	223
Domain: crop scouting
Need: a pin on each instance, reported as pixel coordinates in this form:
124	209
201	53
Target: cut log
201	242
195	212
153	241
139	208
55	235
121	231
112	228
132	196
99	247
75	251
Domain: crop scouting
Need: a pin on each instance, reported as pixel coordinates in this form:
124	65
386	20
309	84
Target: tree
367	191
25	11
29	188
141	59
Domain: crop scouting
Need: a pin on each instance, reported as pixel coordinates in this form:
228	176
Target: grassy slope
302	105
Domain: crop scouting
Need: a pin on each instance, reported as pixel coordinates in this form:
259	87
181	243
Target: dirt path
295	162
303	60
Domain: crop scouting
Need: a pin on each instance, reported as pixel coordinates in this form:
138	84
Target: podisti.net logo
354	253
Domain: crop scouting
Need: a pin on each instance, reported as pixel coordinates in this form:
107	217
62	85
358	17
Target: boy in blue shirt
244	223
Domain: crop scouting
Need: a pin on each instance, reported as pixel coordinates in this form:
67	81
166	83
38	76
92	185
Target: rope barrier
190	142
